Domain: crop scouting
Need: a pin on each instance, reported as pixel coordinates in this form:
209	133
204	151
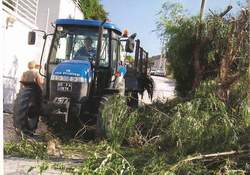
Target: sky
140	16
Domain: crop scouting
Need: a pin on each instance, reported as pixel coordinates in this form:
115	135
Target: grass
102	158
162	138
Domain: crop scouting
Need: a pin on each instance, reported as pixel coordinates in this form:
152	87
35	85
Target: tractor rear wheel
27	109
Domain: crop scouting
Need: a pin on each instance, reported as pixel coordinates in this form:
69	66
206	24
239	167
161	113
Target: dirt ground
9	133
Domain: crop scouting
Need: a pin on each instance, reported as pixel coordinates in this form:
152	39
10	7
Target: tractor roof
87	22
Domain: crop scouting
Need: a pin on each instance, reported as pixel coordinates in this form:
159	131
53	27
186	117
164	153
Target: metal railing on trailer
141	59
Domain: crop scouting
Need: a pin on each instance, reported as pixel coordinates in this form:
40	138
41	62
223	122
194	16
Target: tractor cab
75	44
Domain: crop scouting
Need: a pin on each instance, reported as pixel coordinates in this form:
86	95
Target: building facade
19	17
159	62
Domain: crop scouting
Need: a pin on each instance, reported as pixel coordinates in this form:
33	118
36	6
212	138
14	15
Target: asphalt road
164	89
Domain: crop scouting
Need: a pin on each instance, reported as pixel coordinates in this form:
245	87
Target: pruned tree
236	42
213	48
92	9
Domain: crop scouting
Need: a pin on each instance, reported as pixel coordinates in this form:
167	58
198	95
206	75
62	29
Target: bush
118	119
179	46
203	124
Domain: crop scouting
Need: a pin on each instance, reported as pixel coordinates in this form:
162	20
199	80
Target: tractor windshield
71	43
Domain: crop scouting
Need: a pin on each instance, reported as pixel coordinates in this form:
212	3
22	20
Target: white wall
48	11
68	9
16	54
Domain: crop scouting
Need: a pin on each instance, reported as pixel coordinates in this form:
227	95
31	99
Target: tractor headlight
68	78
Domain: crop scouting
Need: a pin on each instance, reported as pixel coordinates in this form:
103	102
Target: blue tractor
83	68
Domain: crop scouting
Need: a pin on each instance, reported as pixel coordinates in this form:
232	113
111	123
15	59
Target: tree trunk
235	38
223	73
248	92
196	64
197	50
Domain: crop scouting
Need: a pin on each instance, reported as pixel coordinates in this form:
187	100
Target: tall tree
92	9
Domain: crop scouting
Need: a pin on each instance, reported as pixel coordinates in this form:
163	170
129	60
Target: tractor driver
87	50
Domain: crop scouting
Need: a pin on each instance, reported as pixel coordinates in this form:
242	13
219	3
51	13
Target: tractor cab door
104	72
117	65
115	54
110	55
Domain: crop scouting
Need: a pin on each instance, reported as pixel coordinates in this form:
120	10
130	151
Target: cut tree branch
226	11
213	155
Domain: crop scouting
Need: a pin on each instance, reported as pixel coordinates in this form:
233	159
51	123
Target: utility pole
248	92
248	81
202	9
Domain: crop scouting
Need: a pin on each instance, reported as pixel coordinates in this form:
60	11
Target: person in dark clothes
86	51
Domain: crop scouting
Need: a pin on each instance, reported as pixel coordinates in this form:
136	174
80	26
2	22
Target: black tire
101	128
27	108
74	121
132	99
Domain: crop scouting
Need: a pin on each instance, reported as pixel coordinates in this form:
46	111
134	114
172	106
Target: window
79	44
115	50
104	57
114	53
74	43
26	9
10	4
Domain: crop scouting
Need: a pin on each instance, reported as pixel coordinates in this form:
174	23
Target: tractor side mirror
130	43
32	38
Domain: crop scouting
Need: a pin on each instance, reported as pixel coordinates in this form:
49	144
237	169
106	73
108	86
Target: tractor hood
73	70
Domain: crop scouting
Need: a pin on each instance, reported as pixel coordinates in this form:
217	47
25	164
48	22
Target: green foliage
191	168
150	123
26	148
202	122
178	32
129	59
92	9
179	47
161	138
118	120
180	35
170	15
106	160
